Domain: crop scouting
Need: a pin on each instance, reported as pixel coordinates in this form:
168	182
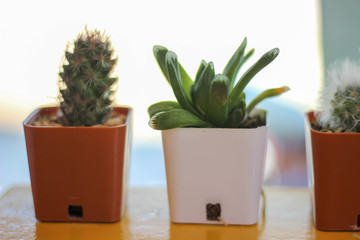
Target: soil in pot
52	120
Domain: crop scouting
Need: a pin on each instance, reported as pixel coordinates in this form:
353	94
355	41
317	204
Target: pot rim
201	129
37	110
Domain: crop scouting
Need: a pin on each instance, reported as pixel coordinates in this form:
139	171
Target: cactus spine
86	80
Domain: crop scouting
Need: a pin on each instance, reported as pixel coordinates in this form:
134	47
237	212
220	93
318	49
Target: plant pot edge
251	217
125	130
327	176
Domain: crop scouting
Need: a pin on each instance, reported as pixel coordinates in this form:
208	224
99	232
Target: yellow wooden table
288	216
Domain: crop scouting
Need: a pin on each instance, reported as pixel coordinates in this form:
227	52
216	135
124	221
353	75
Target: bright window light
34	35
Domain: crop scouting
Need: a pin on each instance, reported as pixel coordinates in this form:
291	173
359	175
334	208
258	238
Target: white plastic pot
212	165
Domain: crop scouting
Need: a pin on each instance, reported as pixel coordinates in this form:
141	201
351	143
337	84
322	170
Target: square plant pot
214	173
333	162
78	174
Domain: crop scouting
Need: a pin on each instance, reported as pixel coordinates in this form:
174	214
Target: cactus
211	100
86	82
339	101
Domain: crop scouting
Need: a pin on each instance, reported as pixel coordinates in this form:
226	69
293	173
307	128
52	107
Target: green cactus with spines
346	109
211	100
86	81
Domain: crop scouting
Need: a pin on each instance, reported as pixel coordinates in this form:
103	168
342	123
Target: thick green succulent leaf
176	118
247	56
162	106
160	53
237	115
172	66
249	74
218	101
201	69
266	94
235	118
201	90
233	66
186	80
241	102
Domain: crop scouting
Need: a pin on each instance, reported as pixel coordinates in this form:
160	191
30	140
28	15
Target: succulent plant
86	82
211	100
339	105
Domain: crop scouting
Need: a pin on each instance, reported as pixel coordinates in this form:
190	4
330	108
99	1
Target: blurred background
310	35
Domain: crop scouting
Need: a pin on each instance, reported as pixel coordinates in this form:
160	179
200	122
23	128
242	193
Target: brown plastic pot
78	173
333	161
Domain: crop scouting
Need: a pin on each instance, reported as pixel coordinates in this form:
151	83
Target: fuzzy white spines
339	100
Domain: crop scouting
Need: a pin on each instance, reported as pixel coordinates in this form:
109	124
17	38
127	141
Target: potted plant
214	144
333	159
78	152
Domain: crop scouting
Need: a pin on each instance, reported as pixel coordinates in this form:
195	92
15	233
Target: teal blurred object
340	30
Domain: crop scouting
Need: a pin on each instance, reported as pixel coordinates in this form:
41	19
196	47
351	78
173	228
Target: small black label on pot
213	211
75	211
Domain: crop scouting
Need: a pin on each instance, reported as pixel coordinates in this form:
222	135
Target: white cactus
339	100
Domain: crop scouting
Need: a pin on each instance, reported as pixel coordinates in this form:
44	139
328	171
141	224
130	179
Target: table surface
288	216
